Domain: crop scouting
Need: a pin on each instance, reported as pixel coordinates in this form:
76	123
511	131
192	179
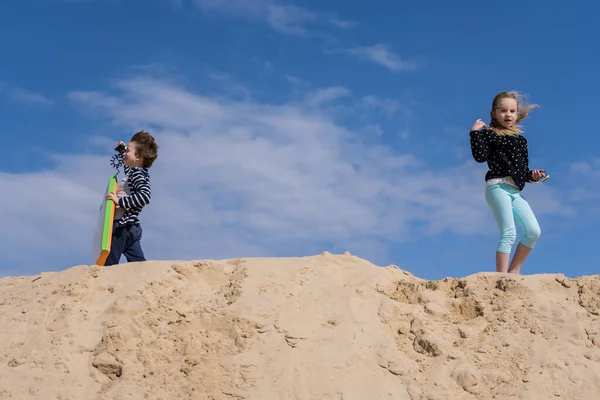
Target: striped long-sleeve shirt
134	194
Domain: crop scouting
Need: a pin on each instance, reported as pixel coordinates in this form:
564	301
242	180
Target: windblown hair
523	110
146	147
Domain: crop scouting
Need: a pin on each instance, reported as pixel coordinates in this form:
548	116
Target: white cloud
229	85
379	54
320	97
239	178
294	80
341	23
24	95
283	18
588	173
369	105
587	169
389	107
288	19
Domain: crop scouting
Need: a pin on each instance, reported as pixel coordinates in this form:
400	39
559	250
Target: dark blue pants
126	240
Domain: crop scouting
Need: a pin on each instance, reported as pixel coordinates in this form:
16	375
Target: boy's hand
113	197
120	145
478	125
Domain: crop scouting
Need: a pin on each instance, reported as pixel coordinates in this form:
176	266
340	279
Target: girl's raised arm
479	141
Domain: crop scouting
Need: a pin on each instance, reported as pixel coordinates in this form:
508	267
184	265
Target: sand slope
322	327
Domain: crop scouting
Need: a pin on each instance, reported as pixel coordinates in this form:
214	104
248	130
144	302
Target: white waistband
507	179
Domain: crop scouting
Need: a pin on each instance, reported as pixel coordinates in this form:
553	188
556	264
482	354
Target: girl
505	150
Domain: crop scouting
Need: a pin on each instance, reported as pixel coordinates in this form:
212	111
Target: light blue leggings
508	205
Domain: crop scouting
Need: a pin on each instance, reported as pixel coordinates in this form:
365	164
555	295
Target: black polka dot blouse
505	155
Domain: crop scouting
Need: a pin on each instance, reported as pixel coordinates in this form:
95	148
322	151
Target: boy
133	194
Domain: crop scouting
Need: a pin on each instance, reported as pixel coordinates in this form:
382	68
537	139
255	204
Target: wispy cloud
379	54
341	23
281	17
587	168
367	105
228	84
387	106
588	172
319	97
294	80
24	95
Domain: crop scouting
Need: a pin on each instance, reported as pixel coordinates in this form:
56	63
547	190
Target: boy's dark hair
146	147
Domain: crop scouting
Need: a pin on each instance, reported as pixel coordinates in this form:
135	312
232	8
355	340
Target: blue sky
290	128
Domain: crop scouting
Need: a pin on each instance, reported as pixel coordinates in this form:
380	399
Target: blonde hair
523	110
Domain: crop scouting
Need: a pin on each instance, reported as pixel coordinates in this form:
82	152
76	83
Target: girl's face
506	112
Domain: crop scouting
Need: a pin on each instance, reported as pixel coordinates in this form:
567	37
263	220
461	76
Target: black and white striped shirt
134	194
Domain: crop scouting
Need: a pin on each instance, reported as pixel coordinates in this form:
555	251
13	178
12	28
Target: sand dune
322	327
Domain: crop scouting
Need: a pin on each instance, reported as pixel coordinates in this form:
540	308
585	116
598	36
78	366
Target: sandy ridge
320	327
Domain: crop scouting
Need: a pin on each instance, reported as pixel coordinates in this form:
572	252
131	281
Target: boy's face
130	159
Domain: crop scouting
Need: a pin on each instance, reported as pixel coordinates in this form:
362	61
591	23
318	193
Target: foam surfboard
104	227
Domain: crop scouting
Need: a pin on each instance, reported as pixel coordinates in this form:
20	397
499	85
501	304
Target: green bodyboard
104	227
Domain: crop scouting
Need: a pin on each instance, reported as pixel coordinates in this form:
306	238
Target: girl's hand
538	174
478	125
